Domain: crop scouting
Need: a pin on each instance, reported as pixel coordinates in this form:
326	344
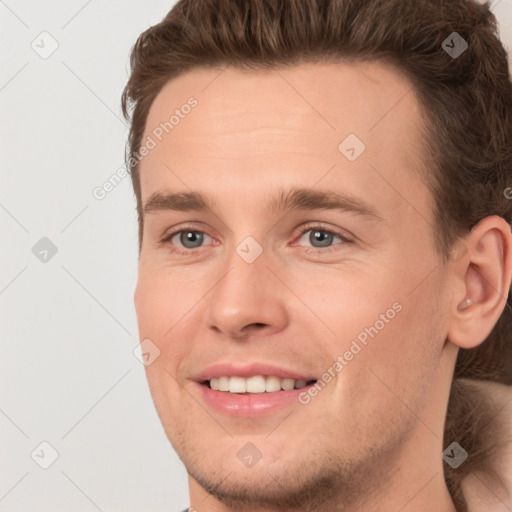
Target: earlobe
484	277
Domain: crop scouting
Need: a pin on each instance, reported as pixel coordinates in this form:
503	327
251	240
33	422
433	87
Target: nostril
256	326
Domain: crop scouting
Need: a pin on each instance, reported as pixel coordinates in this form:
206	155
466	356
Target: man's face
252	287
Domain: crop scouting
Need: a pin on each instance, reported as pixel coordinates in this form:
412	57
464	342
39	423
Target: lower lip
249	405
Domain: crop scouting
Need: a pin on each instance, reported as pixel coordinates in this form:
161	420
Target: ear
481	277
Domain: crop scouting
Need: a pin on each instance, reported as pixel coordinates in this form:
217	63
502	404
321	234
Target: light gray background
68	375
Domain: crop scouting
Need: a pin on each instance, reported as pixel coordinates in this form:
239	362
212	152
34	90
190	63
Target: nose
247	299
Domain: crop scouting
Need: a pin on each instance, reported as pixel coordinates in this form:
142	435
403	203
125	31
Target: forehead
335	95
253	126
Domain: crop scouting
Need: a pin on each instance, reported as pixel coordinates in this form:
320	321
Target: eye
320	237
321	240
185	238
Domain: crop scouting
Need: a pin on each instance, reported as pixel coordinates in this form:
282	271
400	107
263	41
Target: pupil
189	238
319	236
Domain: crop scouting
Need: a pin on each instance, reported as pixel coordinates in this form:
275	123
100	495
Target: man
325	249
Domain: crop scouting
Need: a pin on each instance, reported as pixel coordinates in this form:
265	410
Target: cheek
347	300
154	321
157	312
379	324
390	375
148	299
405	354
167	307
161	303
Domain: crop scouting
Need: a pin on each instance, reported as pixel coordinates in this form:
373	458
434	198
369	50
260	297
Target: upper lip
249	370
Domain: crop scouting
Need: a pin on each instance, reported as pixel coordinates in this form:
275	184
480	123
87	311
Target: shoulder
480	490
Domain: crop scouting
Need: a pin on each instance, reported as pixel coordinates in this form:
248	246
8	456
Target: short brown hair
466	103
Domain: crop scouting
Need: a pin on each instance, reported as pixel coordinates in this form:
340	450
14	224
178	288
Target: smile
256	384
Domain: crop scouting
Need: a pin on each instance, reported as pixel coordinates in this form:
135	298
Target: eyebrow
292	199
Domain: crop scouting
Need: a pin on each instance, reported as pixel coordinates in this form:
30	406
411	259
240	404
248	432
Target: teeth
272	384
237	385
223	383
255	384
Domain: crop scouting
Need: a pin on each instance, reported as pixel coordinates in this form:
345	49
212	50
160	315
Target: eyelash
308	227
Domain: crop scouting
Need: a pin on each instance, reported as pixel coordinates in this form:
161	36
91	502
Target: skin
372	438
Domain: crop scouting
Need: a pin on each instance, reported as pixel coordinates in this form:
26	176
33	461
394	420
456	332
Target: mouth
250	390
255	385
251	397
